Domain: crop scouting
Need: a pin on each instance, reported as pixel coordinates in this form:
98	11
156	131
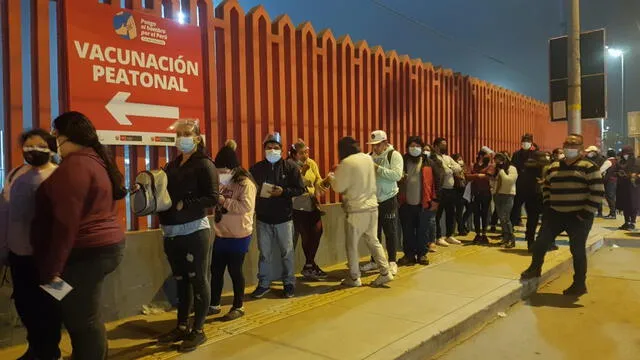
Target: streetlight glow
181	17
616	53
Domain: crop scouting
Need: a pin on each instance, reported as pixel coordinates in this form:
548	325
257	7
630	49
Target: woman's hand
180	205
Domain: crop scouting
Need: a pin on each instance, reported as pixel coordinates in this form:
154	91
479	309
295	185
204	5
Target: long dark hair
78	129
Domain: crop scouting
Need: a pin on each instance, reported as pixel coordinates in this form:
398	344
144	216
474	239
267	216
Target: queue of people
78	239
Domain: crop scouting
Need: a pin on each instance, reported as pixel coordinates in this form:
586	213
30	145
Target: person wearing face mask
36	309
627	191
76	233
233	228
193	184
388	164
608	171
518	159
445	170
418	204
572	191
278	182
480	177
307	217
530	185
504	186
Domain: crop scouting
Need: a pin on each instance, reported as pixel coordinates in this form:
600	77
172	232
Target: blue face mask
186	145
273	156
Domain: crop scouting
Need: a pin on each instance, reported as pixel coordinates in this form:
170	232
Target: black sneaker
259	292
530	274
234	314
422	260
632	226
407	261
289	291
625	226
308	272
319	274
492	229
195	339
176	335
510	244
477	239
610	217
575	290
484	240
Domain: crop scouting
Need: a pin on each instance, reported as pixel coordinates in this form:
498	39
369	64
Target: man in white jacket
355	179
389	170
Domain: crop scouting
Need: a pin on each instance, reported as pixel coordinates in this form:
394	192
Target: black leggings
189	257
232	261
37	309
309	225
481	204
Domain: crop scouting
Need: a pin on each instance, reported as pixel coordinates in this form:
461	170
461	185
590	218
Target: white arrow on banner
119	108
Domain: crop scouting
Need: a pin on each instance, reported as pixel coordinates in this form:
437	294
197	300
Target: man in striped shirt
572	191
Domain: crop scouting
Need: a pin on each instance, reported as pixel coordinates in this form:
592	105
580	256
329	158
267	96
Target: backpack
152	196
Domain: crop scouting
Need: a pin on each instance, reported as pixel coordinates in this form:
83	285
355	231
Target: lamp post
617	53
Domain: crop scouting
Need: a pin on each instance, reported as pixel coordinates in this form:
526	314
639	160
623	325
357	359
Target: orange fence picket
265	75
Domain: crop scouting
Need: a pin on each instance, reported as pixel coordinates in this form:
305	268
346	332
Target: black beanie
227	157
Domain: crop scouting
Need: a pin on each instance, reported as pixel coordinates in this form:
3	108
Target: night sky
501	41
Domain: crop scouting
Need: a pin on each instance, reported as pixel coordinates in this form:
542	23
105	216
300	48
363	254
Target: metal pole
573	65
625	130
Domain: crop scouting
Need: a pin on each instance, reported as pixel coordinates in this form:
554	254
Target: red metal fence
269	75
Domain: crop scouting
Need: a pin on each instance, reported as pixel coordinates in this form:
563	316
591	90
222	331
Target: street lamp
617	53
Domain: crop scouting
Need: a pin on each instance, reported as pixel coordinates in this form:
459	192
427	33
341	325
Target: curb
445	335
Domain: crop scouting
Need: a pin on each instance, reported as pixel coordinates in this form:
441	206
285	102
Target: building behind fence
264	74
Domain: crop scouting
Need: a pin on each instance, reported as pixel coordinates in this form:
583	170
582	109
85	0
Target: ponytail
117	180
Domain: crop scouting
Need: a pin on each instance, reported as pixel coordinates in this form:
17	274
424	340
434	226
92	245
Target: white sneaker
393	268
352	283
370	266
454	241
442	242
382	279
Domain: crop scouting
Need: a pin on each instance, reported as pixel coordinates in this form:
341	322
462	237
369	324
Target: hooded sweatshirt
355	179
388	173
74	209
239	201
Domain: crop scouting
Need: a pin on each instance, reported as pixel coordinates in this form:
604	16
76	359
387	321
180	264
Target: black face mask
36	158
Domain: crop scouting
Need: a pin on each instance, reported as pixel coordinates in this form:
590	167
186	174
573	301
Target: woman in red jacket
76	235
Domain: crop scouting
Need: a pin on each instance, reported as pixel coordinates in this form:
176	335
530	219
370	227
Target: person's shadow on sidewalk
553	300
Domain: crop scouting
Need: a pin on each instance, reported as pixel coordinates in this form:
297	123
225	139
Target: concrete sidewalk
414	317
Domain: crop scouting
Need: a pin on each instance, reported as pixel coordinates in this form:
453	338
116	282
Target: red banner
131	73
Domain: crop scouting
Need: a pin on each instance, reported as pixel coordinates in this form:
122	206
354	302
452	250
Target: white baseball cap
592	148
377	137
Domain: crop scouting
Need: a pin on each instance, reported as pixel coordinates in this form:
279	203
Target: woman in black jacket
193	187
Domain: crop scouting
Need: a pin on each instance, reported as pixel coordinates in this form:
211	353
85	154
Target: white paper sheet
58	290
266	190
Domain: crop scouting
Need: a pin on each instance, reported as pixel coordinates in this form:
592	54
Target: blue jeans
418	229
504	205
279	237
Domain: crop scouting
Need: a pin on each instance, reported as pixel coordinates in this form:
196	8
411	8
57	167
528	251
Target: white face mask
460	162
427	153
273	156
526	145
571	153
591	155
626	157
225	178
415	151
